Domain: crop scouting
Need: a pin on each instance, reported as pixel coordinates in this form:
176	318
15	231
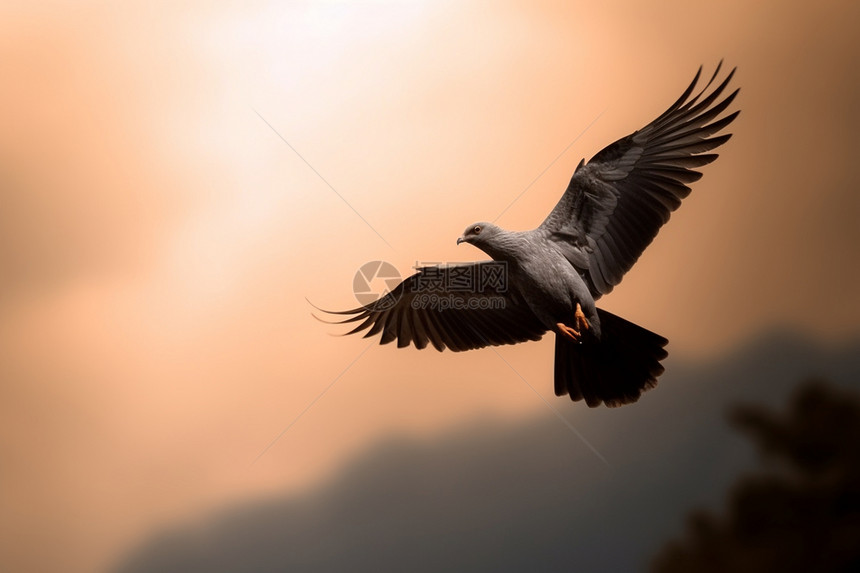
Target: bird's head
479	234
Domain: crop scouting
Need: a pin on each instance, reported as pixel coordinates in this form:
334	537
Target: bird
550	278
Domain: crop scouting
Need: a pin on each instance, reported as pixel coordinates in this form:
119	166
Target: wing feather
616	203
473	322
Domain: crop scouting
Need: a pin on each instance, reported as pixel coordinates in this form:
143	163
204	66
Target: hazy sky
512	496
158	239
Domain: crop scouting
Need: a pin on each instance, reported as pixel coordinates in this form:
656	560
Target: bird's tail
614	369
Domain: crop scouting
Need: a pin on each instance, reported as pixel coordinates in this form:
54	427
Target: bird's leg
581	321
581	325
569	332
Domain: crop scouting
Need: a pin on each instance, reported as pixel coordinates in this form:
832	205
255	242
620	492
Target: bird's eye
476	230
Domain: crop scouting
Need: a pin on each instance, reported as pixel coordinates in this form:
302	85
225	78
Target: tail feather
614	369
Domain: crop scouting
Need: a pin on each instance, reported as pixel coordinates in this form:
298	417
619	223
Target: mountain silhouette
800	510
502	496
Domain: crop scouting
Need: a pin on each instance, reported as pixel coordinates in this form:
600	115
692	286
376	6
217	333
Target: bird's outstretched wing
460	307
616	203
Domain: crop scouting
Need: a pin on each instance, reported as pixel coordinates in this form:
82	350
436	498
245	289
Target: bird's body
611	211
549	284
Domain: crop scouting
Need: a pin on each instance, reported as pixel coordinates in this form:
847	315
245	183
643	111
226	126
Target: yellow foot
569	332
581	325
581	321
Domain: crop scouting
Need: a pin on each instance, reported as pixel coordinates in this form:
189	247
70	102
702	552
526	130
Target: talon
569	332
581	321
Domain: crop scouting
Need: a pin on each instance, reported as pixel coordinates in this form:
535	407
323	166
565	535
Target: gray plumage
611	211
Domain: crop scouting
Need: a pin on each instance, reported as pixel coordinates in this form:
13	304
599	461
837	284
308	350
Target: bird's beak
461	240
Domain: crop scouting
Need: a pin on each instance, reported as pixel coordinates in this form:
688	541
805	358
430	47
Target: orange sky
157	238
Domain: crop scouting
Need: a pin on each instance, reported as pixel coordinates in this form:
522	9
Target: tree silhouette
801	511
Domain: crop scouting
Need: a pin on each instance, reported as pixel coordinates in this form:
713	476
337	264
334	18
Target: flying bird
549	278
